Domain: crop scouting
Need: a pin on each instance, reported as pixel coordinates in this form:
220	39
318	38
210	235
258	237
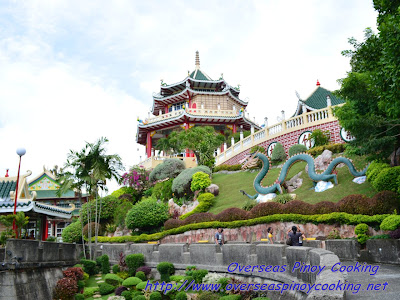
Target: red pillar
187	150
45	228
148	145
166	108
234	130
53	230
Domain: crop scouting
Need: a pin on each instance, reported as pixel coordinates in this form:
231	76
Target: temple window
176	106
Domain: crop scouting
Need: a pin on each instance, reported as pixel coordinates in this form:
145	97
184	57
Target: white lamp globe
21	151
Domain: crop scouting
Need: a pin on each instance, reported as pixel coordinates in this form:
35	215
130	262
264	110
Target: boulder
213	189
322	161
176	210
294	183
395	158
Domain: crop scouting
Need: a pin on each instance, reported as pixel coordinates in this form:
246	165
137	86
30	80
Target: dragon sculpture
324	176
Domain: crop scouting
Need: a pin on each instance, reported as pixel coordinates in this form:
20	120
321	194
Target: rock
322	161
395	158
213	189
176	210
294	183
265	198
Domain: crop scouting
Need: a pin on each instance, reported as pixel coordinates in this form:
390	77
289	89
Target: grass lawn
91	282
230	184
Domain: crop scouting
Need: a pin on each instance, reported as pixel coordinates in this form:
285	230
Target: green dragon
324	176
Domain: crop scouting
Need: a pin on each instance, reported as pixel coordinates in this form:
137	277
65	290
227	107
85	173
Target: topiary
120	213
324	207
177	278
115	269
119	290
108	205
385	202
65	288
72	233
181	183
361	229
278	154
89	266
181	296
141	285
155	296
136	293
163	190
74	273
127	295
140	297
362	238
79	297
200	181
199	218
390	223
232	214
296	149
146	270
165	269
106	288
141	275
105	264
387	180
123	275
148	213
265	209
355	204
374	169
133	262
131	281
89	291
173	223
113	279
170	168
198	275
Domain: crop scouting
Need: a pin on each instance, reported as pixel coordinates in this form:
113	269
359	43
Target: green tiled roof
318	99
5	188
199	75
52	194
6	204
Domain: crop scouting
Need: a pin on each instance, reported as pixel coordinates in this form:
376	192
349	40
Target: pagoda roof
5	188
317	100
25	206
200	75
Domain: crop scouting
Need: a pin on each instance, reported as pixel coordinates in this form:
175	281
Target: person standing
294	236
219	237
270	237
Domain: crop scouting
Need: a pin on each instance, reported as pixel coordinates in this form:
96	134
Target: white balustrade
259	135
229	152
247	141
236	148
275	129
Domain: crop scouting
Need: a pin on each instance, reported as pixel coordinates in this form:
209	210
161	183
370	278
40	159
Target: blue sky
72	71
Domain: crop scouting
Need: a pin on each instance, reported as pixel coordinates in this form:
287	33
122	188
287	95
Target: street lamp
21	152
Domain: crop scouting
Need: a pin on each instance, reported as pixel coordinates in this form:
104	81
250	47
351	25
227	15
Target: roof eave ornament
197	61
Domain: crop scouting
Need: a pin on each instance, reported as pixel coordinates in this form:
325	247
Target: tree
372	87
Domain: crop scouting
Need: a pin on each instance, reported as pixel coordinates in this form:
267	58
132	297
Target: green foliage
141	275
51	239
155	296
123	191
127	295
131	281
334	235
231	297
177	278
113	279
249	204
387	180
391	223
198	275
110	228
79	297
166	269
92	226
296	149
65	288
169	169
278	154
105	264
139	297
208	296
206	200
380	237
141	285
138	179
115	269
200	181
146	214
335	148
261	298
182	182
89	291
105	288
108	206
163	190
181	296
361	229
120	213
123	275
362	238
320	137
374	169
257	149
133	262
89	266
227	168
283	198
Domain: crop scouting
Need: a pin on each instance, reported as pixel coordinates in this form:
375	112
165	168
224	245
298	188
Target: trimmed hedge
387	180
278	154
200	181
391	223
296	149
148	213
227	168
231	214
165	269
181	184
206	200
131	281
374	169
105	288
89	266
335	148
170	168
133	262
113	279
72	233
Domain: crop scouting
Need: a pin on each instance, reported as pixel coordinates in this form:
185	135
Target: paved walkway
386	273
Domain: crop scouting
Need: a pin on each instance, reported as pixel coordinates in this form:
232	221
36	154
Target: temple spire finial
318	84
197	60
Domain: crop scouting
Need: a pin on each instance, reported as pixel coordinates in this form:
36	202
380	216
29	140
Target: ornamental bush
74	273
387	180
106	288
320	137
131	281
127	295
89	266
199	218
115	269
355	204
335	148
123	275
265	209
395	234
391	223
113	279
155	296
108	206
72	233
200	181
198	275
385	202
374	169
173	223
120	213
298	207
141	275
181	296
89	291
170	168
231	214
361	229
65	289
125	190
181	183
278	154
79	297
138	179
324	207
92	228
133	262
231	297
141	285
165	269
163	190
296	149
119	290
362	238
146	270
206	200
283	198
140	297
227	168
148	213
105	264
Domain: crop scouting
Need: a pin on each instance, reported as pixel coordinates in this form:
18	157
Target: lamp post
21	152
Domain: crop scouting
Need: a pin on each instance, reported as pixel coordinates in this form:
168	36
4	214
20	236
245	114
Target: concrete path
386	273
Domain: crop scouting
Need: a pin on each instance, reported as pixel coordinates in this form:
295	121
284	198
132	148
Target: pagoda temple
197	100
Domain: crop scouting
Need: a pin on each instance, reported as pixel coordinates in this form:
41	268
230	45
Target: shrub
199	218
138	179
324	207
141	275
200	181
265	209
298	207
74	273
361	229
163	190
334	235
146	270
89	266
72	233
113	279
282	198
92	228
206	200
105	264
232	214
51	239
123	275
231	297
170	168
141	285
374	169
181	184
155	296
335	148
85	276
181	296
391	223
131	281
147	213
362	238
384	203
81	285
89	291
106	288
123	191
380	237
177	278
133	262
320	137
387	180
120	213
296	149
249	204
173	223
278	154
198	275
165	269
355	204
65	289
127	295
108	206
208	296
119	290
115	269
139	297
228	168
257	149
79	297
395	234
